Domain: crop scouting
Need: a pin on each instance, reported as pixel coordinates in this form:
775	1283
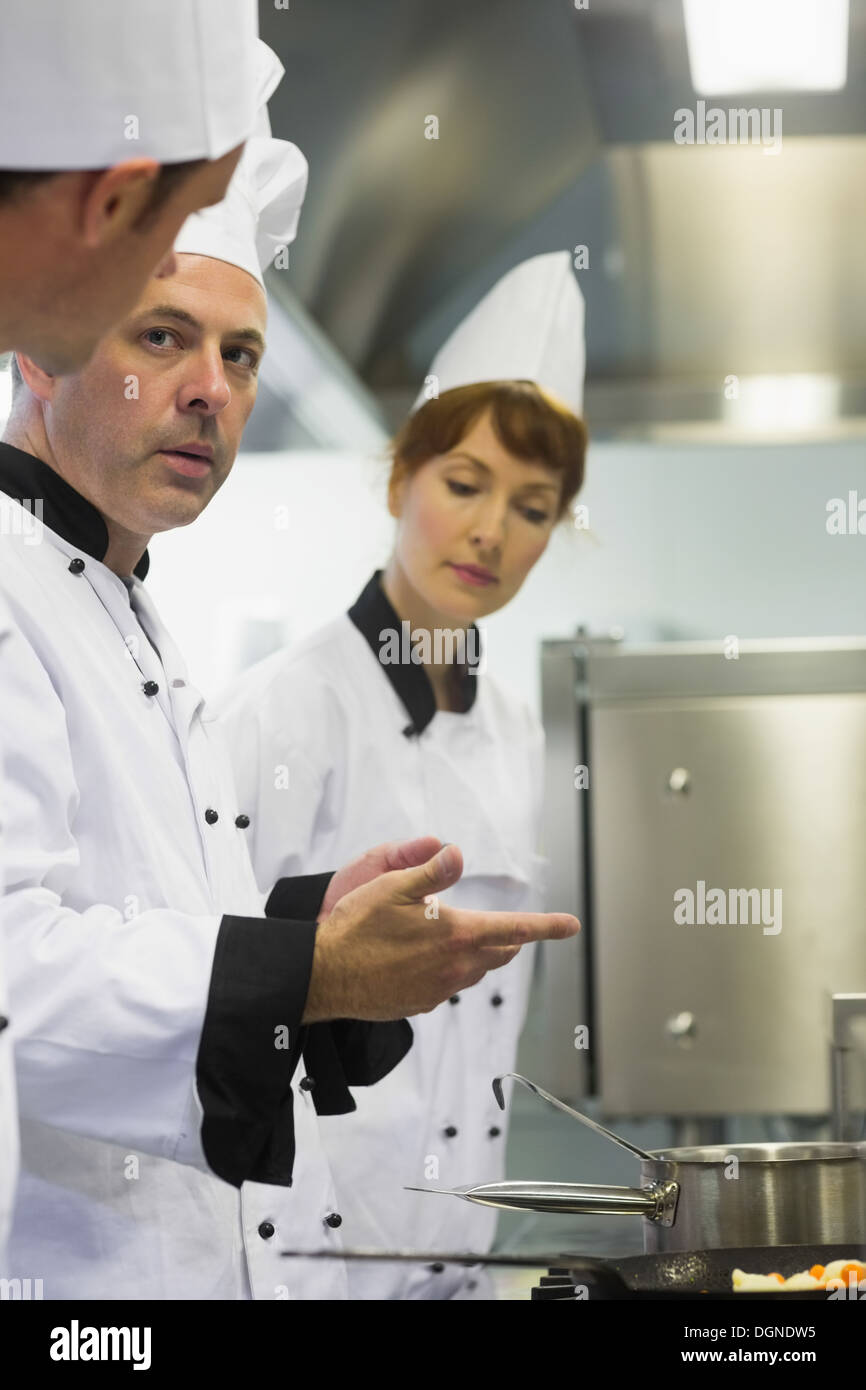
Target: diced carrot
817	1271
855	1267
780	1277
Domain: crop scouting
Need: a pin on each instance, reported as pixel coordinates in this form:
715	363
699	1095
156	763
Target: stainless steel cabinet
713	777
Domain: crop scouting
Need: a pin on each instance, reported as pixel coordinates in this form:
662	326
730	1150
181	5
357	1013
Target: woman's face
472	523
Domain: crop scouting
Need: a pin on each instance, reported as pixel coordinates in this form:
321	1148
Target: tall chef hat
85	84
260	211
530	326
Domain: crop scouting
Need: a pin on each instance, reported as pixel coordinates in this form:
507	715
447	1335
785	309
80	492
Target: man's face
76	298
149	429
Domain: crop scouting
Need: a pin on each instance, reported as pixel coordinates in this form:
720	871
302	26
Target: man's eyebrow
173	311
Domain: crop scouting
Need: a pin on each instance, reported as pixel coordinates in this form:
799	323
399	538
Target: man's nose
167	266
206	388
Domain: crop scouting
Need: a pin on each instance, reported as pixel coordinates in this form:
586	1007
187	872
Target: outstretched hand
396	854
389	949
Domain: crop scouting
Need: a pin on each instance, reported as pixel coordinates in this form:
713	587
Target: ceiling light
767	45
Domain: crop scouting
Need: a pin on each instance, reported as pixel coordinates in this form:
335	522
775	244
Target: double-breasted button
455	999
211	816
333	1219
242	822
437	1268
450	1131
266	1230
76	566
307	1083
150	689
494	1131
497	1000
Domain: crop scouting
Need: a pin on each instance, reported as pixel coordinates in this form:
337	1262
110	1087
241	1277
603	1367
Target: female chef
381	725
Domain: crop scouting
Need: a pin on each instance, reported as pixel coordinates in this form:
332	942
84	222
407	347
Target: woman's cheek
530	554
432	527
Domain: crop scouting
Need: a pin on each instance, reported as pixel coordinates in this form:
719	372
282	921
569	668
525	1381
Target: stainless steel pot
712	1197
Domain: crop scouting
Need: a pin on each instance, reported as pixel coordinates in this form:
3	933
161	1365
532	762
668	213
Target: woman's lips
187	464
481	578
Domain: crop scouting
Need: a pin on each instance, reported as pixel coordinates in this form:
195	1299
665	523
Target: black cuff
348	1052
299	898
249	1048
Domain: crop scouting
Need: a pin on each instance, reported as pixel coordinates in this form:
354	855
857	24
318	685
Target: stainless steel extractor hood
725	285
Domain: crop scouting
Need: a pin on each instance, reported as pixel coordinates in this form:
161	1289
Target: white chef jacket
8	1106
335	752
118	877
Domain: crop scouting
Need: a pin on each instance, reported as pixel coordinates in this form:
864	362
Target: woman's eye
536	517
461	489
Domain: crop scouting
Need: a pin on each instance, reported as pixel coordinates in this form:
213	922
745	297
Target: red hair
527	421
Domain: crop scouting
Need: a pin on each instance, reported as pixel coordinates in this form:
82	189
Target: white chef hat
85	84
262	206
529	326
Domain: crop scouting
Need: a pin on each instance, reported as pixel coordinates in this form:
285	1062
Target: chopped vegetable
838	1274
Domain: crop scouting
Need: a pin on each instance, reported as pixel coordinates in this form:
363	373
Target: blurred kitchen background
725	287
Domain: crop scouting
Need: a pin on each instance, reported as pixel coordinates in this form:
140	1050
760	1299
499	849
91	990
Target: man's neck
125	548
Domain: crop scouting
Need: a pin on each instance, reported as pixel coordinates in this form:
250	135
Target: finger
515	928
491	958
408	854
438	873
469	980
497	956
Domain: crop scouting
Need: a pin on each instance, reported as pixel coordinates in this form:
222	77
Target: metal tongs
561	1197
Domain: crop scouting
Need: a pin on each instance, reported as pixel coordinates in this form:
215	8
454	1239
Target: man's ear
113	200
35	378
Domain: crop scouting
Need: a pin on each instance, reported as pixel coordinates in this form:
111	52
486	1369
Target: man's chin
172	513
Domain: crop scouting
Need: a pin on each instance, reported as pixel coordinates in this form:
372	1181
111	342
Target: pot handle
657	1201
566	1110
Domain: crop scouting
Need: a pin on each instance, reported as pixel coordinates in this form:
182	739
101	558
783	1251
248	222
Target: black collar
64	510
376	620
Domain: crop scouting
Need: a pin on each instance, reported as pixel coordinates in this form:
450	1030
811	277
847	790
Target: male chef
8	1106
115	122
117	119
161	1007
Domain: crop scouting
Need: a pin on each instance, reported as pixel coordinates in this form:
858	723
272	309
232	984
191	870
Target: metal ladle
567	1110
657	1202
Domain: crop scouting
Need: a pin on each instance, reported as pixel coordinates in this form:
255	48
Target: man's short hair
16	184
